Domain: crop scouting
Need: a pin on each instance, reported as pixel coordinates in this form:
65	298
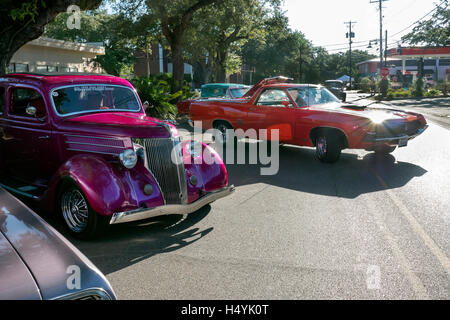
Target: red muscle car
310	115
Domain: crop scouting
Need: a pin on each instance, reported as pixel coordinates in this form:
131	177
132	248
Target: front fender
109	187
208	167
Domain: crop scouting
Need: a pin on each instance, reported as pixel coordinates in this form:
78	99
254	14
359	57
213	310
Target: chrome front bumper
391	139
145	213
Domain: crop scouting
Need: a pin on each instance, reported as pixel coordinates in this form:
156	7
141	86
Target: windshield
213	92
95	97
238	92
309	96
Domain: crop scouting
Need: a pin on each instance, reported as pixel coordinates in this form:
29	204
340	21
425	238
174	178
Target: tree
23	21
269	56
116	32
289	53
221	30
434	31
174	18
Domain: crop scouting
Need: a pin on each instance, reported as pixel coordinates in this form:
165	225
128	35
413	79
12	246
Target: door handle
44	137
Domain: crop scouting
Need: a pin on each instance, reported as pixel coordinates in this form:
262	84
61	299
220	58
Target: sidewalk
434	109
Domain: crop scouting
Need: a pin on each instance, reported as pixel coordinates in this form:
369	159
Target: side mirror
31	111
285	103
146	105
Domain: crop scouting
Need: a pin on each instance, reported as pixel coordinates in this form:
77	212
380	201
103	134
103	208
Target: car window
2	99
308	96
212	92
98	97
273	98
238	92
22	98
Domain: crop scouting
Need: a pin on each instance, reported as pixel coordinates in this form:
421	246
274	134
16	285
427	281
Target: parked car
310	115
215	91
84	148
337	87
429	82
37	262
223	90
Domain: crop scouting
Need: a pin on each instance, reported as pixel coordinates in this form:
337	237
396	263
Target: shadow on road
126	244
349	177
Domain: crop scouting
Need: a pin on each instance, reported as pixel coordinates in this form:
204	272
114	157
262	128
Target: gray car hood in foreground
36	261
16	281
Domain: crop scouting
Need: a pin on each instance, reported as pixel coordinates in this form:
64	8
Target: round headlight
128	158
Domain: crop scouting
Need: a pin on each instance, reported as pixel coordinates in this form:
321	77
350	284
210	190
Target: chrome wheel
321	146
75	210
222	128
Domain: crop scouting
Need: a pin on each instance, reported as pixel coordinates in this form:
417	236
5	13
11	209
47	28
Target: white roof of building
68	45
378	60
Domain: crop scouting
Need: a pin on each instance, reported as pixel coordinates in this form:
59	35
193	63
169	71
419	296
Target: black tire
223	126
75	222
384	150
328	147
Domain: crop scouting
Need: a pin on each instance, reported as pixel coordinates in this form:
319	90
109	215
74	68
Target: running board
17	191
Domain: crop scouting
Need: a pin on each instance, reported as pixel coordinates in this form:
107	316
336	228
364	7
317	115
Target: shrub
384	87
159	91
432	93
442	85
390	95
418	88
378	97
366	84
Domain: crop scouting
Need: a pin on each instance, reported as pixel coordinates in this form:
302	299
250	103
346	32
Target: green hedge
159	91
411	92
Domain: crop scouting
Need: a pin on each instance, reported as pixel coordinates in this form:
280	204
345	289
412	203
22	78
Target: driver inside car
95	100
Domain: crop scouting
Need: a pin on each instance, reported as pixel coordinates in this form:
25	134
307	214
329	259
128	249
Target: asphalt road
363	228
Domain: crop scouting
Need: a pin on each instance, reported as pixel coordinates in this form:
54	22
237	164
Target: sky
322	21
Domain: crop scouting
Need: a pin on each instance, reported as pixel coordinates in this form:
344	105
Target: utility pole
350	35
380	4
385	48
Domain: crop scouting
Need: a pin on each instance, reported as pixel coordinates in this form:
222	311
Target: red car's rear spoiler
279	79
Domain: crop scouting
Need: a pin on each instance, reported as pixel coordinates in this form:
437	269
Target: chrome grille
171	176
397	128
391	128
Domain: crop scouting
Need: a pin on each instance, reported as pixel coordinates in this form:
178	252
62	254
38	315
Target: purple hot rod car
84	148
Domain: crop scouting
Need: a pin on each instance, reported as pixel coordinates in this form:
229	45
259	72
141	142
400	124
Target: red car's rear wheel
223	128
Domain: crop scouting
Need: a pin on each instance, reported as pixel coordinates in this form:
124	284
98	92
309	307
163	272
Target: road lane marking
413	279
417	228
253	195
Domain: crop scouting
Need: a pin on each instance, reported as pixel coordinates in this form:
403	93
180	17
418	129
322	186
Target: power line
419	19
361	41
359	46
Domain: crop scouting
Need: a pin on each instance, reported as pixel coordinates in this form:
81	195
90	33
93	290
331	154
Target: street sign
385	72
352	35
